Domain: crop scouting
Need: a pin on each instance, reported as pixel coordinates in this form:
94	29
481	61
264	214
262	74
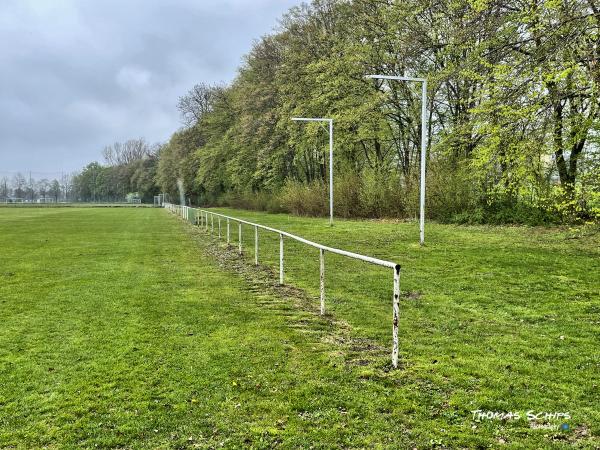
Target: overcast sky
76	75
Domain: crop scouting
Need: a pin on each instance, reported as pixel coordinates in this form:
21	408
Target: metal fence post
281	259
228	232
255	245
322	272
206	216
219	228
212	224
396	303
240	237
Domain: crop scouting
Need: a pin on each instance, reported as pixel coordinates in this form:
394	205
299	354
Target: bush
256	201
346	195
452	196
382	195
305	199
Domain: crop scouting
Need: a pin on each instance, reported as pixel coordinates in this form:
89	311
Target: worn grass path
123	328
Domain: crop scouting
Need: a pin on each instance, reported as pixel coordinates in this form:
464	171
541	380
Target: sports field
128	328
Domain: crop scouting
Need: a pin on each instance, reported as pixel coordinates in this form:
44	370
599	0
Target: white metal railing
200	217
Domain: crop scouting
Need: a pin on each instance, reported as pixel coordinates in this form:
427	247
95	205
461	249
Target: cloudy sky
76	75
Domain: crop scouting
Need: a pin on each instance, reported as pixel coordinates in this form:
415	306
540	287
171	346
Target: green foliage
178	164
497	147
130	167
305	199
513	114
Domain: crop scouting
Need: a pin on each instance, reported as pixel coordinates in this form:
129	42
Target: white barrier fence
200	217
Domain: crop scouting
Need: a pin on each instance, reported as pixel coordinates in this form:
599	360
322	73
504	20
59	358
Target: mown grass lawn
125	328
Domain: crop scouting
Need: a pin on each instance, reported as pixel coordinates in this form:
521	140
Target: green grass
126	328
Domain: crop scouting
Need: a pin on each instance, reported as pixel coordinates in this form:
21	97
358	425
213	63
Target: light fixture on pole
330	121
423	82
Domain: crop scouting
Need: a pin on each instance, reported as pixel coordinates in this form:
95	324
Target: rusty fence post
396	307
255	245
281	259
322	277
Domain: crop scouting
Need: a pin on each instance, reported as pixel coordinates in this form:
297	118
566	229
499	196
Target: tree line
513	115
128	171
22	188
512	100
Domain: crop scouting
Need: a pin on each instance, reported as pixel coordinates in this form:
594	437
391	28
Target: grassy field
129	328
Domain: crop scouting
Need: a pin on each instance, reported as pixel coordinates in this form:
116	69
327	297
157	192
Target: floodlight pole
330	121
423	82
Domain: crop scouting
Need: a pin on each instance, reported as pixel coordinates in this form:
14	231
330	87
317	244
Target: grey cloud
76	75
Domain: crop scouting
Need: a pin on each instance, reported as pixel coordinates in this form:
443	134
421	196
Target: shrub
305	199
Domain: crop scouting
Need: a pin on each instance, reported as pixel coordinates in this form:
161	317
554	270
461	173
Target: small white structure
158	200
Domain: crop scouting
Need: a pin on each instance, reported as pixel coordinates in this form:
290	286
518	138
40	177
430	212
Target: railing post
228	233
206	216
396	306
212	224
281	259
219	228
255	245
322	273
240	237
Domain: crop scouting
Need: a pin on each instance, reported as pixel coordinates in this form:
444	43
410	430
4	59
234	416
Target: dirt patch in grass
262	280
